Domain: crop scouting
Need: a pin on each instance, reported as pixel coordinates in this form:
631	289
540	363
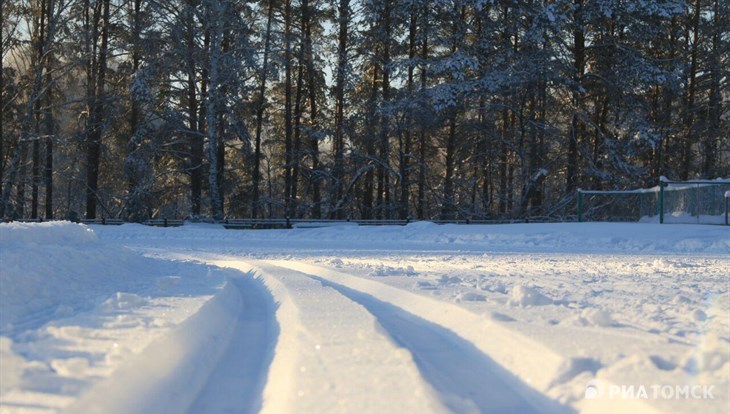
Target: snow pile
528	296
57	269
52	232
597	317
73	309
381	270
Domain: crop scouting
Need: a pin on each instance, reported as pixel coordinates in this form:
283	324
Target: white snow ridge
529	318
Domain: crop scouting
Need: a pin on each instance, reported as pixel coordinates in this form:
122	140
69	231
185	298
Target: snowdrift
533	237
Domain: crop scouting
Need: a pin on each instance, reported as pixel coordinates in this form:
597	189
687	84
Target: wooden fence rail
287	223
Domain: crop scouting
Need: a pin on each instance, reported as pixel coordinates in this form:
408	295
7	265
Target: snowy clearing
579	317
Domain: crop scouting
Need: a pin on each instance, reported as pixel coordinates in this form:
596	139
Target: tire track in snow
467	379
332	356
173	372
235	385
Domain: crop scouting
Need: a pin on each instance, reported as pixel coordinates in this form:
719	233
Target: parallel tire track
236	383
332	355
464	378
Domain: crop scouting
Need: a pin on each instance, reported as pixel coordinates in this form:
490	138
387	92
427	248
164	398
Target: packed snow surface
574	317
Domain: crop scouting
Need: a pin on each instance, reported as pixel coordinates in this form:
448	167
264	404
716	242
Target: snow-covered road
423	365
236	382
420	318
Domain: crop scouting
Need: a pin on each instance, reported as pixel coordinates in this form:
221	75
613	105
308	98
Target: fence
288	223
690	202
162	222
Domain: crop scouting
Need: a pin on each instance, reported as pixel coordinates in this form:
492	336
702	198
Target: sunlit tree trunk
260	107
338	175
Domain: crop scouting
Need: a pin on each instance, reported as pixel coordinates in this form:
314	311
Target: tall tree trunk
367	196
287	108
221	123
40	27
486	166
422	137
203	111
405	153
97	120
260	107
297	144
600	126
576	128
667	110
212	106
339	140
529	147
48	172
35	174
689	122
503	160
133	172
383	174
504	127
20	188
715	98
448	208
313	138
49	127
195	139
537	156
479	148
507	127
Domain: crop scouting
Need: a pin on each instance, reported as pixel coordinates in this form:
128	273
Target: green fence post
580	206
697	208
641	206
661	202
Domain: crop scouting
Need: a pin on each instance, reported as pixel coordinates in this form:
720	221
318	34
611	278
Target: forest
367	109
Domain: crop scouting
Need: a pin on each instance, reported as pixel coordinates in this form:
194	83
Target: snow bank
52	232
537	237
170	373
58	269
73	309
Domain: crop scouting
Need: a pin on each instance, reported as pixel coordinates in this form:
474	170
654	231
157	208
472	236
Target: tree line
482	109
